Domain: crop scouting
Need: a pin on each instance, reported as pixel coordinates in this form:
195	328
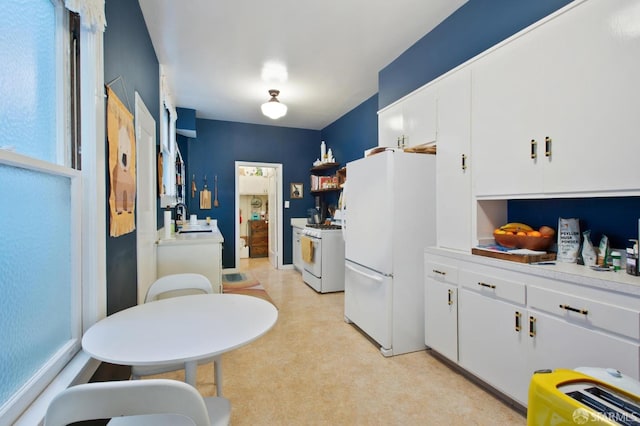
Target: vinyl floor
312	368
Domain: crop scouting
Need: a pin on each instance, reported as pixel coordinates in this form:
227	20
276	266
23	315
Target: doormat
241	283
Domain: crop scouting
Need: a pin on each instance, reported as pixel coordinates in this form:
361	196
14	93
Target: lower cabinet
205	259
441	309
295	248
510	324
491	343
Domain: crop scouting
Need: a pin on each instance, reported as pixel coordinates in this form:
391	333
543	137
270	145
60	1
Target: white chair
141	402
172	286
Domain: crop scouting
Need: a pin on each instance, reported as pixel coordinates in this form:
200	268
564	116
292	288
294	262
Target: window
40	256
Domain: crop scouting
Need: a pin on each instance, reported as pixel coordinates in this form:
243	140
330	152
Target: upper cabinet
554	110
410	122
253	185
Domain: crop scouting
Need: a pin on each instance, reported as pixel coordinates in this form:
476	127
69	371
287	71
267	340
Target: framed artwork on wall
296	190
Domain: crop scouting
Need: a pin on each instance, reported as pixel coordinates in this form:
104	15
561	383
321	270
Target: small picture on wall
296	190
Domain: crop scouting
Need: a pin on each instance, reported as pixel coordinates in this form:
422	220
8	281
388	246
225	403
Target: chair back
104	400
178	285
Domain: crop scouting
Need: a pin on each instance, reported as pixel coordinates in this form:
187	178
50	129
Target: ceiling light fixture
273	108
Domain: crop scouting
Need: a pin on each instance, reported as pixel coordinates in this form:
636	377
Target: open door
273	218
146	219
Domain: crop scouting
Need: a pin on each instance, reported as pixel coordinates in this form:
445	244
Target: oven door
311	254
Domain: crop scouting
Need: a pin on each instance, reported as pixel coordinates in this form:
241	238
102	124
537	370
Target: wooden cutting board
205	199
521	258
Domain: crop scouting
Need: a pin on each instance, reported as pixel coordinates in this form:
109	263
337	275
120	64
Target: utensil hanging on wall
193	187
205	196
215	192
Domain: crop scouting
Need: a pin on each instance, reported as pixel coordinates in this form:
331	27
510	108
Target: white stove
324	266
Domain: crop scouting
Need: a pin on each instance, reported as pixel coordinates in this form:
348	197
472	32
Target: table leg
217	365
190	370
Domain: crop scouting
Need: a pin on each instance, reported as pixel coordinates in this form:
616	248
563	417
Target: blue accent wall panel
221	143
128	54
353	133
472	29
615	217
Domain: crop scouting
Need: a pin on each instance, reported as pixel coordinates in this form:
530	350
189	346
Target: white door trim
279	212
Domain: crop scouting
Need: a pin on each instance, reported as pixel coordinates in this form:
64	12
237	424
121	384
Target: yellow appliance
585	396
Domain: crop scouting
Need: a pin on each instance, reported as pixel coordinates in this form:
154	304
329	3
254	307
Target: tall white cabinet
453	161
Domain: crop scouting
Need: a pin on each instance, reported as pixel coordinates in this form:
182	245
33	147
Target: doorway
262	202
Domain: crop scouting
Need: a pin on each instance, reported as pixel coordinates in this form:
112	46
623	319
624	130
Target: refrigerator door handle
372	277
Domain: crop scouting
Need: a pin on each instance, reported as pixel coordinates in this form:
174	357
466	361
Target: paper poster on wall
122	166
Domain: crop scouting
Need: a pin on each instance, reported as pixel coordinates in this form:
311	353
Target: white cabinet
201	258
441	309
512	321
453	174
253	185
491	343
570	331
573	80
296	248
490	314
411	121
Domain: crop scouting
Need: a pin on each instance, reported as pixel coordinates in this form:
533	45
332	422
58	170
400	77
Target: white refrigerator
389	202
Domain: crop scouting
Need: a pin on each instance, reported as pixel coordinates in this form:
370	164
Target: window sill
79	370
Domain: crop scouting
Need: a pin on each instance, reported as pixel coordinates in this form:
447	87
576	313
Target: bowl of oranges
520	235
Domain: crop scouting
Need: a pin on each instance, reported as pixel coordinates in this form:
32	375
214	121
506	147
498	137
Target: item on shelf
589	256
632	258
568	239
603	251
323	152
521	235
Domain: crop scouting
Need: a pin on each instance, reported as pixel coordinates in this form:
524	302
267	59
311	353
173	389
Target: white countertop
618	281
192	238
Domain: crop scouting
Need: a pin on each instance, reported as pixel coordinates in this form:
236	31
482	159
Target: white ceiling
213	52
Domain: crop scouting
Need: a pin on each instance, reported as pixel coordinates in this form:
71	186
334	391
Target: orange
521	233
534	234
499	231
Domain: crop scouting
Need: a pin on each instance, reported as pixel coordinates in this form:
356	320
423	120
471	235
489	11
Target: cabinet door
560	344
490	342
453	176
507	91
441	318
419	117
390	125
591	111
297	254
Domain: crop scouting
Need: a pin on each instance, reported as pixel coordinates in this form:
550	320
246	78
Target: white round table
180	330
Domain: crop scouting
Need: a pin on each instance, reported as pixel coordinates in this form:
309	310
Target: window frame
72	365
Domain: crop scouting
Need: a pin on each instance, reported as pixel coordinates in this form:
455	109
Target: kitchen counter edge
618	281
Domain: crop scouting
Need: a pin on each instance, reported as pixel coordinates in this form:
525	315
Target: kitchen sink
187	229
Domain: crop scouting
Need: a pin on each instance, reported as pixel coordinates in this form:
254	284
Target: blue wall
129	54
354	132
616	217
221	143
472	29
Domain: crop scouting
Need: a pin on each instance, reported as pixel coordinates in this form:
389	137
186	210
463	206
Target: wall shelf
324	166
